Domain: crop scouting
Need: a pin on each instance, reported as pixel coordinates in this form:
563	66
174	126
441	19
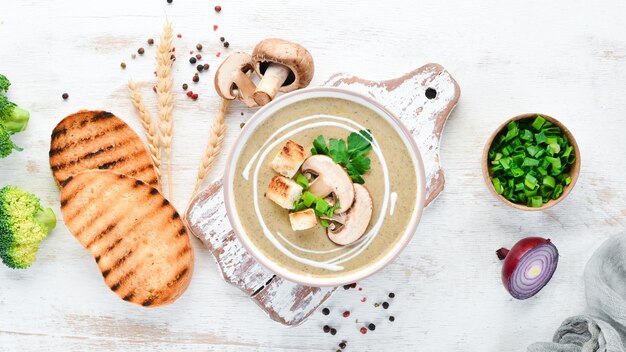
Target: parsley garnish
351	155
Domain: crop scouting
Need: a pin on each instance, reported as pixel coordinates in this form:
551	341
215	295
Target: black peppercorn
392	295
226	44
200	68
325	311
199	46
222	39
150	41
169	1
196	78
371	326
392	318
333	331
385	305
65	96
140	51
326	328
185	86
192	60
342	345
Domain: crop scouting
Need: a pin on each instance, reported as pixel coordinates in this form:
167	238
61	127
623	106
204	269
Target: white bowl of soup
304	201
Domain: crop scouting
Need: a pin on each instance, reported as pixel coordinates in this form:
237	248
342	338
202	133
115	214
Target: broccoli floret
6	145
4	83
14	118
24	223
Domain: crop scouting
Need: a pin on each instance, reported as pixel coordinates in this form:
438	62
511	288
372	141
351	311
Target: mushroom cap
331	178
356	219
231	71
289	54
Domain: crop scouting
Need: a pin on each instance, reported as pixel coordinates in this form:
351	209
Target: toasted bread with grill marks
137	238
98	140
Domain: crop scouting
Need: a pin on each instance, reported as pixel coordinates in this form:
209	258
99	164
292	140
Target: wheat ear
149	127
212	151
165	100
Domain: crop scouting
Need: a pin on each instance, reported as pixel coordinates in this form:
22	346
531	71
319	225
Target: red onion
528	266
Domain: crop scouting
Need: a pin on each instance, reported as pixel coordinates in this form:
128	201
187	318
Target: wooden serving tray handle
422	99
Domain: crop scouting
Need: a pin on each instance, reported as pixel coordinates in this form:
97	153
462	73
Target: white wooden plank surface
560	57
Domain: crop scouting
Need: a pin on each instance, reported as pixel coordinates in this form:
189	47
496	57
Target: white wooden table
557	57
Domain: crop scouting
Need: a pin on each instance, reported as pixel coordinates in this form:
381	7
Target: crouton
303	220
284	191
288	160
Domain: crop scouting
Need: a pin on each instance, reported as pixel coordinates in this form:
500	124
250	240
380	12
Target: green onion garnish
529	161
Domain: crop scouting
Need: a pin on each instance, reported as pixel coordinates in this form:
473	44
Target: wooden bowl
574	171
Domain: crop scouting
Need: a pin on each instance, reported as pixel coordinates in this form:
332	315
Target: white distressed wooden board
287	302
565	58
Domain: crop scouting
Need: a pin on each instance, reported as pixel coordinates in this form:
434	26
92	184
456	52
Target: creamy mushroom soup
391	182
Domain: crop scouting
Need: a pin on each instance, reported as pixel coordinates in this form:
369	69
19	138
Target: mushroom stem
246	88
272	80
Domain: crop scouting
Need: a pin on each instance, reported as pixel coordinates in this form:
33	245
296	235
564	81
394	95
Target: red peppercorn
218	54
154	88
194	96
196	79
214	27
363	330
363	299
189	93
179	35
218	8
346	314
198	56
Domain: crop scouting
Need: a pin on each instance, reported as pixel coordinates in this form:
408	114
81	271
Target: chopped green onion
549	181
530	160
536	201
308	198
321	206
530	181
302	181
497	185
538	123
540	137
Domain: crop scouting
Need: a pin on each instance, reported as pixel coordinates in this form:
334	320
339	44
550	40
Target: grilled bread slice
284	191
135	235
98	140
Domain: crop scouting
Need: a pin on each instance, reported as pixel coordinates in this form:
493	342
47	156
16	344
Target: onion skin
513	256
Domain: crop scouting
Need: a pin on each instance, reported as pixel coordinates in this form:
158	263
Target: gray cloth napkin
603	327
